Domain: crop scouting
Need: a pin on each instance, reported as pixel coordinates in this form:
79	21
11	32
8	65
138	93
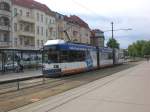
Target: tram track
53	86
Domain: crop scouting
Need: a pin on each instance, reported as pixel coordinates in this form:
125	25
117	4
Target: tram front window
51	57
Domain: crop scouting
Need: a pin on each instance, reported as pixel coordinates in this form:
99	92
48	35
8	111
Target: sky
99	14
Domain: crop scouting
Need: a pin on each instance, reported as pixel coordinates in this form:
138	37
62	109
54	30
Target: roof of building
32	5
77	20
54	42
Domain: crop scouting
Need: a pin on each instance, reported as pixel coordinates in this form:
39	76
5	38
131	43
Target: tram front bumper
52	72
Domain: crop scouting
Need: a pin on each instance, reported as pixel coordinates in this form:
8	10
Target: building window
42	18
38	30
42	43
50	21
75	33
15	12
16	42
46	33
54	33
86	34
21	26
46	20
21	41
15	26
20	12
37	16
27	14
38	43
42	31
27	28
6	37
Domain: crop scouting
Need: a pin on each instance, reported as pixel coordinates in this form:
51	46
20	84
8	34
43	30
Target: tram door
1	62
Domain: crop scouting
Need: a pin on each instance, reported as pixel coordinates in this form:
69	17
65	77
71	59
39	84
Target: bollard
18	86
43	79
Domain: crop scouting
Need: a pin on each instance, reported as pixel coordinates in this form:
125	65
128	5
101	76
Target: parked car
0	67
11	66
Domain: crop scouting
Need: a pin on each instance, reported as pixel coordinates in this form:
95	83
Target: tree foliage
112	43
146	49
139	48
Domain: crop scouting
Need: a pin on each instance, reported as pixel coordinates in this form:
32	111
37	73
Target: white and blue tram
61	58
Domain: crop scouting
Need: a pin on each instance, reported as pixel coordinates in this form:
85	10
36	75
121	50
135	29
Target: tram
62	58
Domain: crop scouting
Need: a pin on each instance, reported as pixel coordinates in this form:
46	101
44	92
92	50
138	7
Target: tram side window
72	56
75	56
45	57
121	56
53	57
64	56
106	56
110	56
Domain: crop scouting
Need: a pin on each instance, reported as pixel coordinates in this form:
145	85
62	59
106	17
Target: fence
17	84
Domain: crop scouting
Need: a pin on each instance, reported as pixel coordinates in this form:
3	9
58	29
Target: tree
146	48
112	43
132	50
138	48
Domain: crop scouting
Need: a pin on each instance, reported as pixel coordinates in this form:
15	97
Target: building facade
97	38
27	25
5	23
32	25
78	30
72	29
61	26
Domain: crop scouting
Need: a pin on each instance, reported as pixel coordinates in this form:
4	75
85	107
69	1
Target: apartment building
61	26
78	30
97	38
27	25
5	23
32	25
72	29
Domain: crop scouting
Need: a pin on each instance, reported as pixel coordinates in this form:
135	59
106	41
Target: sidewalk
126	91
25	74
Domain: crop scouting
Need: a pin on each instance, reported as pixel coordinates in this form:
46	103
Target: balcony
5	13
5	28
61	29
24	33
51	26
5	44
26	47
26	19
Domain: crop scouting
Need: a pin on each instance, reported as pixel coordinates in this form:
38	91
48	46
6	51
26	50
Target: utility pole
112	29
113	52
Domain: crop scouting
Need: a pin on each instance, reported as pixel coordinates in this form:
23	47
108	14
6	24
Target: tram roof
54	42
61	44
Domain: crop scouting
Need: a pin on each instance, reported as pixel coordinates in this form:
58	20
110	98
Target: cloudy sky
133	14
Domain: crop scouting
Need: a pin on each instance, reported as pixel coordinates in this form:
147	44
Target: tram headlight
56	66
